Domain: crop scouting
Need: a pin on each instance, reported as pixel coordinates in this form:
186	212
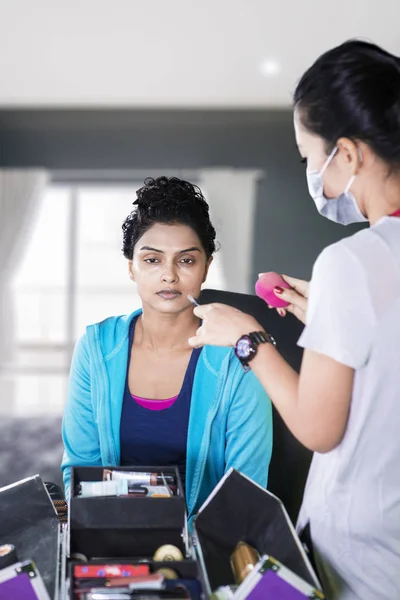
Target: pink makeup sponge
265	289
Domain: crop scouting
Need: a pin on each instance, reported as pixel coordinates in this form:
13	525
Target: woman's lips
169	294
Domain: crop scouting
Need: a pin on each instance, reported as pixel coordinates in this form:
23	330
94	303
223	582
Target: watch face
244	347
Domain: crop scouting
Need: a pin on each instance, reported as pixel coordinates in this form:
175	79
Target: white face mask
343	209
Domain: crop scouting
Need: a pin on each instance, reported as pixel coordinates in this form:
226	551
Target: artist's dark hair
353	91
171	201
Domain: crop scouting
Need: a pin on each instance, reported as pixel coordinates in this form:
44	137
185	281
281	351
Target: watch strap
261	337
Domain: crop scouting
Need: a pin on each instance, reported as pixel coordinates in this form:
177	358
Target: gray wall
289	233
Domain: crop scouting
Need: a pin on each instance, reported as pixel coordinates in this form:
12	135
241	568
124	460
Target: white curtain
232	195
20	195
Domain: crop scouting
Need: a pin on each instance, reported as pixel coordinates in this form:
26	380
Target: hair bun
168	200
353	91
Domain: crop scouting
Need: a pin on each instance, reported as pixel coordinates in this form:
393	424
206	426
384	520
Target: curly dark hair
168	200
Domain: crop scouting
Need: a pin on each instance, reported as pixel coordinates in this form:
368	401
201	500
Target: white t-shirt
352	497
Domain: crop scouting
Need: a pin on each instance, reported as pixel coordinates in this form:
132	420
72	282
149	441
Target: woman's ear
208	264
130	270
350	155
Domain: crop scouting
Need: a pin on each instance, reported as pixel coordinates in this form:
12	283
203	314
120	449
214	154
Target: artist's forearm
279	380
281	383
315	406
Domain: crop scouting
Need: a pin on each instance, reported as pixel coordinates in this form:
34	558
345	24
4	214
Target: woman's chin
168	306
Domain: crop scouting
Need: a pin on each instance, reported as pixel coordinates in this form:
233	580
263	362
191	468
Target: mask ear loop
328	160
348	186
352	178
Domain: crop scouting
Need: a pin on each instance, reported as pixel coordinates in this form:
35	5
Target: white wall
173	53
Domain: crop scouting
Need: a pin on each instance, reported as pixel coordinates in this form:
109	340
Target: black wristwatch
247	346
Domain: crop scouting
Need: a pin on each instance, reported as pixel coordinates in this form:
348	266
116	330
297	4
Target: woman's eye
187	261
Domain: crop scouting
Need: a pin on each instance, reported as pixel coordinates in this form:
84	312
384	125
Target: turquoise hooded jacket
230	422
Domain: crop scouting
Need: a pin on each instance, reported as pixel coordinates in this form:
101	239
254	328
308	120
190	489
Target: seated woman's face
169	263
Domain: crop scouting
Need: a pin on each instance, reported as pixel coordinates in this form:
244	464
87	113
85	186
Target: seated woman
138	394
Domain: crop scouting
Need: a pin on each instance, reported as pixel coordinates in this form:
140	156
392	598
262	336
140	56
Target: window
102	284
72	273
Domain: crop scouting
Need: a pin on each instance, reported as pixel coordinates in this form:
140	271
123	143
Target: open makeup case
30	527
133	544
239	510
120	538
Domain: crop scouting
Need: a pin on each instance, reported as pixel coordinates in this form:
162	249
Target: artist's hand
297	296
222	325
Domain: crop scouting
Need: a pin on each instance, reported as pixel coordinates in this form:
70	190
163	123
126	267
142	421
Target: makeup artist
345	404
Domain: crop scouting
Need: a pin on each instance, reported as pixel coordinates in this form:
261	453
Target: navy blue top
156	437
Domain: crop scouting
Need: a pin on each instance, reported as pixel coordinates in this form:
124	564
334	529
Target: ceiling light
270	67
